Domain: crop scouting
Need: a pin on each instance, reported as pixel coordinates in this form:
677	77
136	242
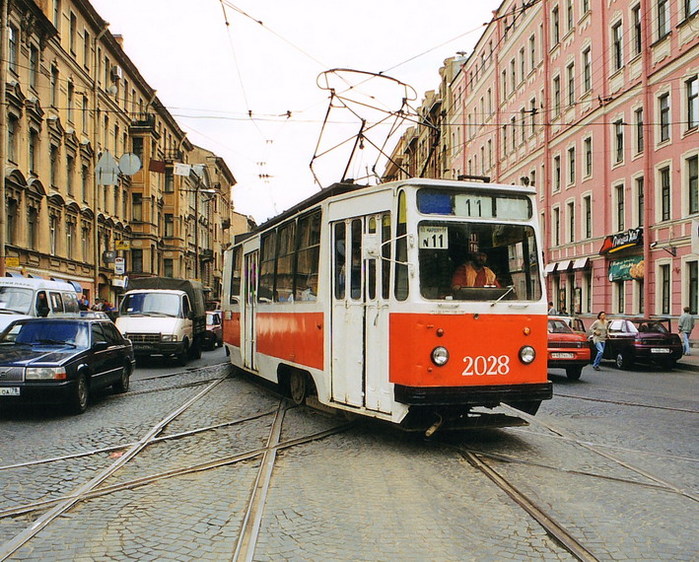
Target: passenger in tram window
474	273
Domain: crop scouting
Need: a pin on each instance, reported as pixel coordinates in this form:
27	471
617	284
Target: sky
241	78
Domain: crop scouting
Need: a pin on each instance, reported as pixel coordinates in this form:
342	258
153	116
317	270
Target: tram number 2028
491	365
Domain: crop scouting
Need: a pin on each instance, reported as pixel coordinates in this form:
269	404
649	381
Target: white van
26	297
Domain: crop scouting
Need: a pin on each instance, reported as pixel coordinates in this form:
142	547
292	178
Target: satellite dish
129	164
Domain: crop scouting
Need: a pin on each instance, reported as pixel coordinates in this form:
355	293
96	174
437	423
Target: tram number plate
482	365
9	391
659	350
563	356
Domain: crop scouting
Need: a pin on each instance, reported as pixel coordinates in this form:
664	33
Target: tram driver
474	273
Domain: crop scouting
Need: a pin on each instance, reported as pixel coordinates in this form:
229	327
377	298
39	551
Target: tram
419	302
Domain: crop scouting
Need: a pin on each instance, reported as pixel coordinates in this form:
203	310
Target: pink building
596	103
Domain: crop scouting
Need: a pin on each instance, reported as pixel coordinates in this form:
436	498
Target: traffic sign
119	266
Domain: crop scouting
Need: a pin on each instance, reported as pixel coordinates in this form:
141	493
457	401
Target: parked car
214	330
642	340
567	349
62	361
575	323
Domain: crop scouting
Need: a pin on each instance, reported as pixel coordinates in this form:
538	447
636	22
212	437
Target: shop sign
617	242
626	269
11	261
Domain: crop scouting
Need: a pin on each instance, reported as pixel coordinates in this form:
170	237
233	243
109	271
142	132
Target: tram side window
386	255
308	255
356	271
284	279
236	275
265	292
339	260
400	288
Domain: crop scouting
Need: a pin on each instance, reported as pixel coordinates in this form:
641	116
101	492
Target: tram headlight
527	354
440	356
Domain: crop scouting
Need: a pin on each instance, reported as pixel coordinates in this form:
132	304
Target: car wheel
183	355
80	396
195	350
297	387
573	372
623	361
122	385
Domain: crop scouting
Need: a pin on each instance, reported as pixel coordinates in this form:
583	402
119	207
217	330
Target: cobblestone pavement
612	458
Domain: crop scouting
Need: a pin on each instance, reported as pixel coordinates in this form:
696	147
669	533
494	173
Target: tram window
356	270
284	278
308	255
235	275
477	261
265	291
386	255
339	260
400	289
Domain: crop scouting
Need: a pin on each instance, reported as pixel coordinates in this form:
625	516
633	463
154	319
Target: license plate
659	350
563	356
9	391
143	347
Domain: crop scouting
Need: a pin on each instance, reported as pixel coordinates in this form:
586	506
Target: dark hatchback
642	340
62	360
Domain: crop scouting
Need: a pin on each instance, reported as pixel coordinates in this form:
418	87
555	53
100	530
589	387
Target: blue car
62	360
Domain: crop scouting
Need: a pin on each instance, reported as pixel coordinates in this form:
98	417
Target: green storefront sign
626	269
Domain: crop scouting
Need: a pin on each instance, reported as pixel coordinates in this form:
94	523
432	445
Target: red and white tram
352	296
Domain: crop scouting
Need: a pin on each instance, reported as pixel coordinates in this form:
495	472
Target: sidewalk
689	362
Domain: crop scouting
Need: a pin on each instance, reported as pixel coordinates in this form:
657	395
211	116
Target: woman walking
599	337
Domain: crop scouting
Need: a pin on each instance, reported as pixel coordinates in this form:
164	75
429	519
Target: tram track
626	403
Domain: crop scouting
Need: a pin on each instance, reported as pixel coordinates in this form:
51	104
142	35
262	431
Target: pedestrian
552	310
686	325
599	337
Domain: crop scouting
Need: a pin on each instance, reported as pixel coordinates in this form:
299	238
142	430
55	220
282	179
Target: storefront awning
13	274
563	265
78	286
581	263
550	267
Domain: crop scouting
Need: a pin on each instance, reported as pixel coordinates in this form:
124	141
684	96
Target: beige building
72	95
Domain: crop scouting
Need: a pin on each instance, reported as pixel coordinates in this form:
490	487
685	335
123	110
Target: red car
567	349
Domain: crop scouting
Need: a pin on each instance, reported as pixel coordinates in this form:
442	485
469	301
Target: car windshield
559	327
478	262
150	304
648	326
47	333
15	299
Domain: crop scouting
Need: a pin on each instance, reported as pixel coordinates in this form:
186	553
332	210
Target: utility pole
3	130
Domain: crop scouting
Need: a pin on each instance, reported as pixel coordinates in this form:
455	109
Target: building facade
597	105
76	104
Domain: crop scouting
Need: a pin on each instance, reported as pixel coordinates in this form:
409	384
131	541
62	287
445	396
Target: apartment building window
86	48
32	222
32	149
71	100
13	54
85	114
12	135
504	140
514	135
618	141
137	206
585	6
571	222
640	200
555	27
532	105
532	52
85	182
137	260
10	222
571	84
523	124
53	165
513	75
571	165
587	144
556	173
617	48
54	86
587	209
53	233
557	95
620	290
33	66
569	15
70	238
57	14
692	164
73	32
692	89
636	40
532	178
168	267
522	65
504	83
665	288
490	154
691	7
587	70
664	104
70	171
619	196
663	18
85	242
665	193
556	226
169	225
693	286
638	125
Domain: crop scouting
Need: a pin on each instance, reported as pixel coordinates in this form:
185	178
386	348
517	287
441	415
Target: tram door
359	335
247	343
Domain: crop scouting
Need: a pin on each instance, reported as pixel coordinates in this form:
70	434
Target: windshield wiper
510	289
56	342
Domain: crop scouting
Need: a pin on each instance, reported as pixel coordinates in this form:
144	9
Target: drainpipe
3	129
95	124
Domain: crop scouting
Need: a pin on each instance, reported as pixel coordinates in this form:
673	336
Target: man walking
686	325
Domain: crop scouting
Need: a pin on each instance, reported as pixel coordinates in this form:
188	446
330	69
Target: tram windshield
478	262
